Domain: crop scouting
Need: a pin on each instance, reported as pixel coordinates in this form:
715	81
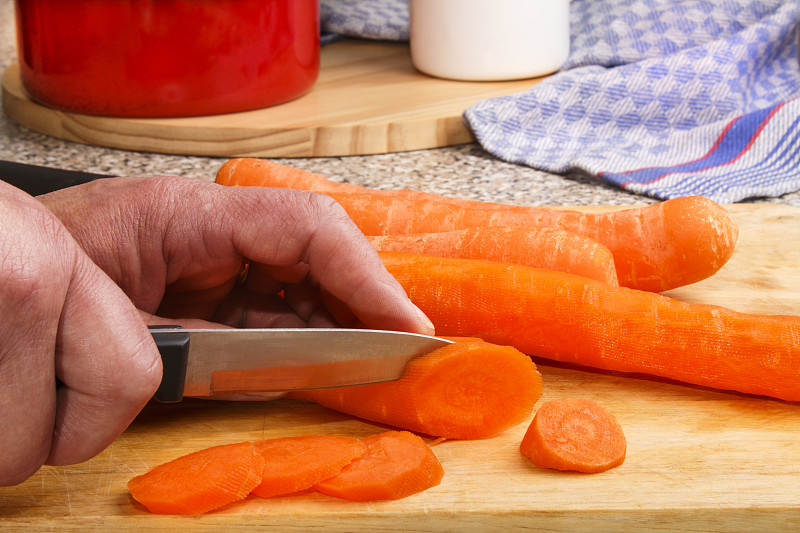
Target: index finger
283	228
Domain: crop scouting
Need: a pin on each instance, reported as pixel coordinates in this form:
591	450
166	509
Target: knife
208	362
36	180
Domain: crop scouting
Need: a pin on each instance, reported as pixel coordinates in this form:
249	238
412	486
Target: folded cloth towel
660	97
385	20
664	98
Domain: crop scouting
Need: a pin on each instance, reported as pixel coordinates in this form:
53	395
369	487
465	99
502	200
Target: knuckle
33	264
328	209
317	212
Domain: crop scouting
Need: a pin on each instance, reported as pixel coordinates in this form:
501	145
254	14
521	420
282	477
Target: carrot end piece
470	389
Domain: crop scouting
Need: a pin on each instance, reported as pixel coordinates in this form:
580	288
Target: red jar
167	58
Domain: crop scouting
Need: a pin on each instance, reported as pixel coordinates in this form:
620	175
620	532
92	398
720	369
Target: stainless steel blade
223	361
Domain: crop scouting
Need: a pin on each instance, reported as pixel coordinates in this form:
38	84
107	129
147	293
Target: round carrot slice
574	434
201	481
396	464
297	463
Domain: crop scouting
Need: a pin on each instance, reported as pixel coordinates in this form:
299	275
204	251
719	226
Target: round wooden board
368	99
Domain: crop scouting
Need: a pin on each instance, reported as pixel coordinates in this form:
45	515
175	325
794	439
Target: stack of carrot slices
384	466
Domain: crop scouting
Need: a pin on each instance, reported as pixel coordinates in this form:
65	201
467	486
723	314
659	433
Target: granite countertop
465	171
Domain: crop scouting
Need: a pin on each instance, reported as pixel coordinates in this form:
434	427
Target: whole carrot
550	248
569	318
252	172
656	247
574	434
470	389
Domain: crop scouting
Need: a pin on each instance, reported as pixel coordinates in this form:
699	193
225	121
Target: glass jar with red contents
167	58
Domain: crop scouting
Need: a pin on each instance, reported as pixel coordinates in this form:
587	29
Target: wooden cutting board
368	99
698	459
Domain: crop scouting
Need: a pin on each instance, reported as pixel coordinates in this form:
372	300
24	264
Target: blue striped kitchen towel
664	98
384	20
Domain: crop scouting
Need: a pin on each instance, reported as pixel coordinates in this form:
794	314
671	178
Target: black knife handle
174	348
36	180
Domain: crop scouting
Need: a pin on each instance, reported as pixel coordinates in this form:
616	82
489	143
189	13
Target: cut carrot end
294	464
201	481
574	434
470	389
397	464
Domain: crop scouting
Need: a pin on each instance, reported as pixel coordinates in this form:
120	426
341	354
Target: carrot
200	481
574	434
570	318
397	464
467	390
252	172
298	463
656	247
549	248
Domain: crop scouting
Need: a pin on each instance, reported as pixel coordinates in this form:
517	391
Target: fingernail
424	319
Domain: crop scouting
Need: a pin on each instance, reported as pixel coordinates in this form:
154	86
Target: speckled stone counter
465	171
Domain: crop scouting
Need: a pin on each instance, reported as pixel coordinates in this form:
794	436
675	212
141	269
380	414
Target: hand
177	247
76	361
76	358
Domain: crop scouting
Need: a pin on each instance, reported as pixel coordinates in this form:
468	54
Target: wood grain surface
698	459
368	99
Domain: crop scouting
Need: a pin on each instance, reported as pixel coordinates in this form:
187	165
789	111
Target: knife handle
173	345
36	180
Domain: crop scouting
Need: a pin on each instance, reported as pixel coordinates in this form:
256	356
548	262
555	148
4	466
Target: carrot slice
656	247
201	481
298	463
470	389
574	434
550	248
397	464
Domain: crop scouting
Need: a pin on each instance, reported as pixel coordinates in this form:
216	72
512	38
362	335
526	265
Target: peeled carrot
467	390
575	319
252	172
298	463
574	434
656	247
549	248
397	464
201	481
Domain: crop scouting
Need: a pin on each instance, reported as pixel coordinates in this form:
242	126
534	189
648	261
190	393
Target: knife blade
205	362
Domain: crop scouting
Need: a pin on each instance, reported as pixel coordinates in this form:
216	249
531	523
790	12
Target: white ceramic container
489	40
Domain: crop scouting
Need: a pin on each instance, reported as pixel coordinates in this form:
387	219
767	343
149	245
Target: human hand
77	362
177	247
